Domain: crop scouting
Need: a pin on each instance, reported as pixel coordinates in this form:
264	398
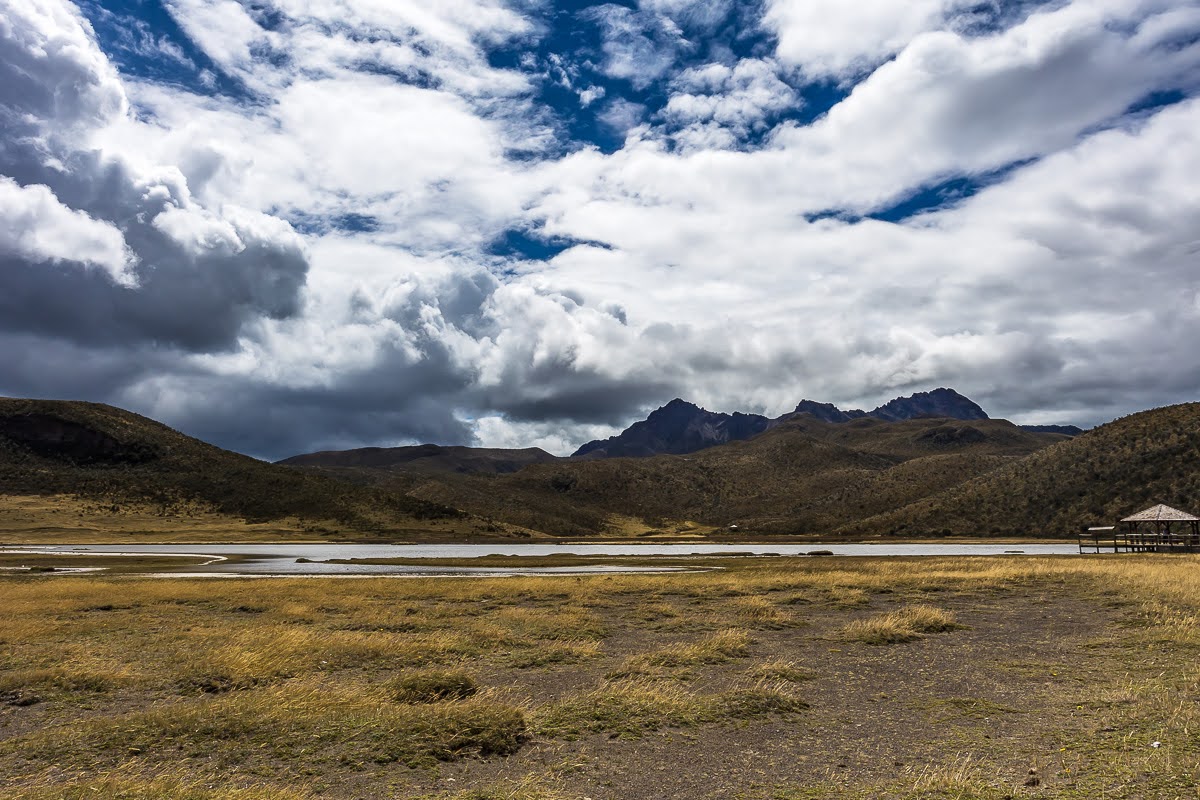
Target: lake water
281	559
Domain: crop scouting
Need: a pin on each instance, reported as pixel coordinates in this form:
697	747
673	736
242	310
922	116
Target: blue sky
285	225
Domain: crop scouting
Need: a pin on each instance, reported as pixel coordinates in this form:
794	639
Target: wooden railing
1100	540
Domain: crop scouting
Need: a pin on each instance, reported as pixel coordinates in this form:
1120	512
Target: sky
291	225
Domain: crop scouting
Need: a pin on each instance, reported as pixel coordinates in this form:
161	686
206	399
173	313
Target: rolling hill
1092	479
802	476
427	458
115	458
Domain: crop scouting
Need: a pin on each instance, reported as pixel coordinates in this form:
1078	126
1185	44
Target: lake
281	559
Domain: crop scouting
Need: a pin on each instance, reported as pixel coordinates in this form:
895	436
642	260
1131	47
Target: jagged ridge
680	427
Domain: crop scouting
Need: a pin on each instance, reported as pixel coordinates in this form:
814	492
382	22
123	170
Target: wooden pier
1111	540
1159	529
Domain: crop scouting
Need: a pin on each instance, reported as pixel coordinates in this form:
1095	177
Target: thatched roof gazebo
1161	527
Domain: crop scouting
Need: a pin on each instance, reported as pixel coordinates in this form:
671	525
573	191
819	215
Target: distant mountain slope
1066	430
107	454
802	476
1095	478
426	458
678	427
681	427
826	412
923	436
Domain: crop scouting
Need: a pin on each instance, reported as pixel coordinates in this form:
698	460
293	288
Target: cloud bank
289	226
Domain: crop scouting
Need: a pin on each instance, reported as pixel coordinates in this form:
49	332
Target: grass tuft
782	671
433	686
904	625
766	697
56	678
531	787
631	707
677	661
285	723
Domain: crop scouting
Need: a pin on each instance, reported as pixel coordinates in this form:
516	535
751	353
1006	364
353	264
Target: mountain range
864	476
680	427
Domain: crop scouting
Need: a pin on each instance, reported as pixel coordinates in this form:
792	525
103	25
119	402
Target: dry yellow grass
901	626
677	661
301	667
176	787
64	519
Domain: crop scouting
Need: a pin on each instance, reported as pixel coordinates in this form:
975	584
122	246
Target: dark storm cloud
193	278
275	422
36	366
567	395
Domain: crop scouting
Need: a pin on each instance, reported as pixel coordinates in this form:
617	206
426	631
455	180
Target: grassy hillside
426	458
115	458
1096	478
859	478
804	476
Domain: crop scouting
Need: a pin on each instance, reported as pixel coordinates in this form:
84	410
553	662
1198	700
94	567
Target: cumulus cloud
35	228
313	261
173	271
736	100
832	39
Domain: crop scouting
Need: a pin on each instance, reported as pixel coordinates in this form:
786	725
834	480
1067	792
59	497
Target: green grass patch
432	686
287	723
631	707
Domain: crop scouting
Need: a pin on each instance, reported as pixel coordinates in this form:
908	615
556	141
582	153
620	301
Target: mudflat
763	679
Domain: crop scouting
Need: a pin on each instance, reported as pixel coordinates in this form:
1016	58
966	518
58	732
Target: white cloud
50	68
498	431
835	39
386	134
639	48
738	98
946	106
621	115
35	227
590	95
225	31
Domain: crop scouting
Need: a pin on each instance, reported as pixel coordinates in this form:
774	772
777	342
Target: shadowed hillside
1095	478
803	476
426	458
115	457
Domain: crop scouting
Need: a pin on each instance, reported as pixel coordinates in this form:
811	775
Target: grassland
771	679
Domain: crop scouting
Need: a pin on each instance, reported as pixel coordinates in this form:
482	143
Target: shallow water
281	559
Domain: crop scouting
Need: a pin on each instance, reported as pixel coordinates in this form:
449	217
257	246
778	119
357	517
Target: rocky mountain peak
678	427
683	427
940	402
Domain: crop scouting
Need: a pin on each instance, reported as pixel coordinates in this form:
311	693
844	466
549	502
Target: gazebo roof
1161	513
